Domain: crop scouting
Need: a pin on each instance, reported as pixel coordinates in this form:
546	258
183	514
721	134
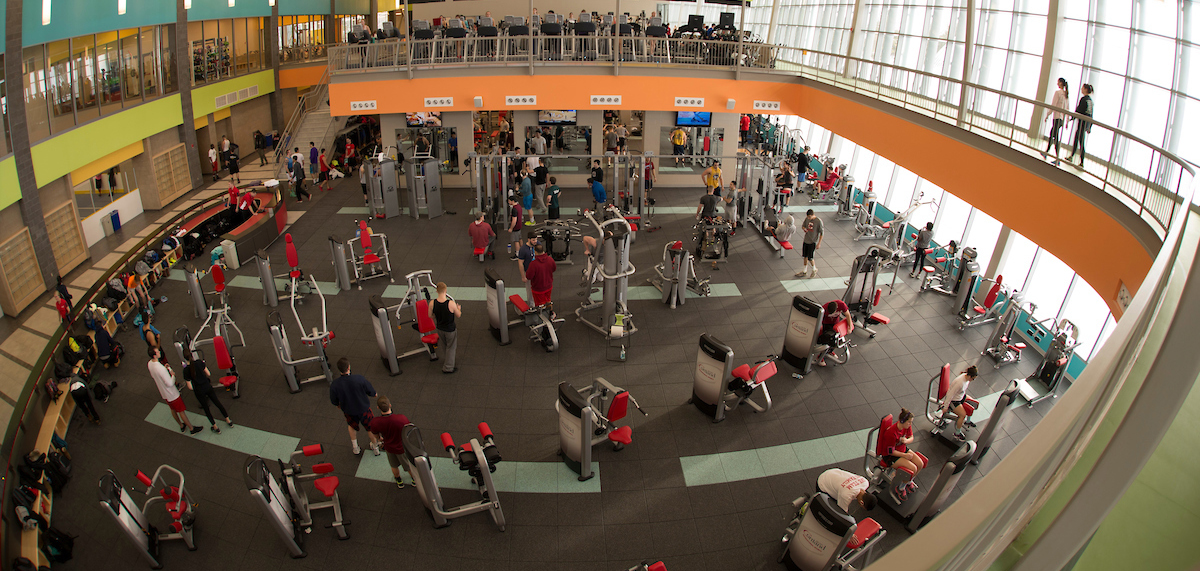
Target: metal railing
303	53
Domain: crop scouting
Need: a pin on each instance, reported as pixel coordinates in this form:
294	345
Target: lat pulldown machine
318	338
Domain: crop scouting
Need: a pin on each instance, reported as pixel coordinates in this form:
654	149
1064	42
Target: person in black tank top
444	311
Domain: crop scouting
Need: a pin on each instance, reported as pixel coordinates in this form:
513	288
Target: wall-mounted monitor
425	119
693	119
564	117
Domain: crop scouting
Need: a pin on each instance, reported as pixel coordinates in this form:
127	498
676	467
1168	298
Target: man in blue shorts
527	195
352	394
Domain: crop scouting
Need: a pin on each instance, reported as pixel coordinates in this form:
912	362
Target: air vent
231	98
253	90
221	101
243	94
438	102
689	102
606	100
766	105
512	100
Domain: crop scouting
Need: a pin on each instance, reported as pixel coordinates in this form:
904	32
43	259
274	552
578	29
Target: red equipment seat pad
327	485
478	251
657	567
229	380
886	225
313	450
518	303
742	372
785	245
927	269
322	468
866	529
624	435
880	318
1019	345
370	259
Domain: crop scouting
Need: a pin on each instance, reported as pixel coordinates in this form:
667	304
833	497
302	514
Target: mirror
704	141
431	140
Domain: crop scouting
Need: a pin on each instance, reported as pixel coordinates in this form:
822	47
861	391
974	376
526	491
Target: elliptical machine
1053	367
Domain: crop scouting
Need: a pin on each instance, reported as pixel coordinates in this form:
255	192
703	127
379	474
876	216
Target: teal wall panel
219	9
70	18
357	6
303	7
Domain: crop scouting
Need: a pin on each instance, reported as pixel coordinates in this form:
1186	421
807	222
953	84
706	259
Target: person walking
224	146
540	275
514	226
552	195
260	147
351	394
64	310
526	183
212	159
390	429
233	162
64	293
300	183
444	311
712	177
1058	104
164	379
323	178
313	154
924	237
1082	126
814	234
198	379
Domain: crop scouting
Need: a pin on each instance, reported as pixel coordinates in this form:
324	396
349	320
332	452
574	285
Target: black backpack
23	564
59	546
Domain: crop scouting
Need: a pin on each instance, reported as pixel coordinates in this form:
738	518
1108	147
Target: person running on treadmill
350	393
389	427
895	441
707	209
955	396
847	488
922	244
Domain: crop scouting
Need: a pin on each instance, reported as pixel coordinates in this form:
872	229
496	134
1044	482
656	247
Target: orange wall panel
561	92
301	76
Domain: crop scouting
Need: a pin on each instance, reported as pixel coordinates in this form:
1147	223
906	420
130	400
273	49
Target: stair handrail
308	102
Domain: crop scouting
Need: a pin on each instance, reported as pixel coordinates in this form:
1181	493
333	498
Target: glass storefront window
33	75
108	60
58	81
130	70
169	52
149	60
83	66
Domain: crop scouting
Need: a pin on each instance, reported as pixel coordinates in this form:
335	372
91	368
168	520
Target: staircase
311	122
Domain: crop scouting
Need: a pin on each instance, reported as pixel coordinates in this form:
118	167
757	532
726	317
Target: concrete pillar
277	120
30	204
183	70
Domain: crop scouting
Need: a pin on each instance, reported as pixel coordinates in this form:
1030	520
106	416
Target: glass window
129	70
224	45
982	233
900	191
169	51
953	215
931	197
83	65
1109	325
1154	60
1016	261
150	68
1087	310
58	80
108	83
241	52
1047	284
37	114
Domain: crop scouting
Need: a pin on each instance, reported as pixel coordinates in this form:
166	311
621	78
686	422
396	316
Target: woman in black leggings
196	375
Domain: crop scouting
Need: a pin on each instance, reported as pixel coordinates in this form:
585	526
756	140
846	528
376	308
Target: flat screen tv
565	117
693	119
425	119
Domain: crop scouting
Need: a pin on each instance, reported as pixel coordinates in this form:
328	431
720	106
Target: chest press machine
1053	368
943	425
317	338
921	506
861	294
388	318
478	460
589	416
134	521
369	264
1002	346
822	537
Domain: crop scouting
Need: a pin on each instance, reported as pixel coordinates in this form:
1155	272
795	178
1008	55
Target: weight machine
288	508
318	338
418	299
711	236
718	387
970	314
1002	346
133	520
218	316
861	294
539	319
677	270
822	537
1053	367
864	223
476	459
612	248
589	416
847	209
366	265
382	186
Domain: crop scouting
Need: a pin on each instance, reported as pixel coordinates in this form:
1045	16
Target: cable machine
318	338
610	262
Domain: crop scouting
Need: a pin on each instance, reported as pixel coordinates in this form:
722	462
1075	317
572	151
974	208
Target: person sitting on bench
835	311
895	442
482	236
786	228
846	488
955	396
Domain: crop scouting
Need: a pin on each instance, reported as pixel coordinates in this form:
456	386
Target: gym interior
676	403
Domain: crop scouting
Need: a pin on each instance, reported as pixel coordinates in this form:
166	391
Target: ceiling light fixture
45	12
121	7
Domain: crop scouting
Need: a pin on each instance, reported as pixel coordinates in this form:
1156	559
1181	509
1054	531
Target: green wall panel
54	158
219	9
303	7
204	98
70	18
10	187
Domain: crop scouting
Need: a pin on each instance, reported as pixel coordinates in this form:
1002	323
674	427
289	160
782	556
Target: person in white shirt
846	487
1058	104
212	158
955	395
164	379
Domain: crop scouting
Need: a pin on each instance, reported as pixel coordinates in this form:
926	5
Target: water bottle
622	352
797	376
510	249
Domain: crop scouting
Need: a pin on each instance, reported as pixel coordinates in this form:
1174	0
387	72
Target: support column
273	61
183	70
773	22
968	52
30	204
1050	52
372	12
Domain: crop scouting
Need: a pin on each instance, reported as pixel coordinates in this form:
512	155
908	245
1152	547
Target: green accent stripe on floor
526	477
461	293
364	211
772	460
239	438
649	292
251	282
803	285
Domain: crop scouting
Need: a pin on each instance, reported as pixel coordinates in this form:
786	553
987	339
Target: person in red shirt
323	181
744	127
835	311
540	276
390	428
64	309
482	234
895	441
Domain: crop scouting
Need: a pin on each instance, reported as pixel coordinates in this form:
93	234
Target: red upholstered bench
866	529
519	303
